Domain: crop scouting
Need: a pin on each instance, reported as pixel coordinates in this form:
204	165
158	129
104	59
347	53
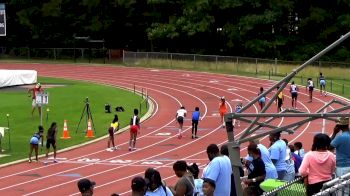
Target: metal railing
337	187
293	188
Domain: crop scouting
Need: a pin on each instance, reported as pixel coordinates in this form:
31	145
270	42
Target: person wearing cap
86	187
138	186
222	110
33	93
34	143
342	146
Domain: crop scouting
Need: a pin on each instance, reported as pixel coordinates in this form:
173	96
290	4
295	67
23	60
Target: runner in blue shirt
238	110
322	85
34	143
196	116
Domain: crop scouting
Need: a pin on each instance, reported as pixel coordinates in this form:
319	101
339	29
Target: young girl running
34	143
196	117
134	129
112	129
222	110
294	92
238	110
180	116
279	101
310	86
262	100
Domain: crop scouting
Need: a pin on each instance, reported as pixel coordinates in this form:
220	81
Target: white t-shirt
310	83
293	88
181	112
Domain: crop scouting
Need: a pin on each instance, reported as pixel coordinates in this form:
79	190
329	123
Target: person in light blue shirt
271	172
155	186
219	169
278	155
341	143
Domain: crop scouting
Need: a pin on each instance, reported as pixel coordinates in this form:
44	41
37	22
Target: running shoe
134	148
179	137
29	161
55	161
129	148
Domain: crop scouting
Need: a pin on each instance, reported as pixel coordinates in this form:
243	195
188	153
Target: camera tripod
86	112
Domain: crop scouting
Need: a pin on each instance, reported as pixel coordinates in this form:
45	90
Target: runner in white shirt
294	93
180	116
310	86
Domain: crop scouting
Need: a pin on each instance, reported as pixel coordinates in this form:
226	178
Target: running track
157	146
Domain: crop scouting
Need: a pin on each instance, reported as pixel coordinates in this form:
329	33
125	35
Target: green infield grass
67	100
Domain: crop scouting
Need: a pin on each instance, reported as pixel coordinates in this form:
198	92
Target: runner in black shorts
180	115
51	140
310	86
280	99
294	93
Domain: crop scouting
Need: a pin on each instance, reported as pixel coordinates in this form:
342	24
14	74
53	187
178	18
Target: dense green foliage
283	29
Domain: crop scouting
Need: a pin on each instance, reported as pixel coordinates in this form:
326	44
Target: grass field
64	104
338	80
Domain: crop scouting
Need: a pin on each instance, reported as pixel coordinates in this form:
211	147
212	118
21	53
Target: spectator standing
270	169
138	186
219	169
290	175
185	184
198	183
278	151
33	92
86	187
257	172
156	187
299	150
196	117
341	143
318	165
296	158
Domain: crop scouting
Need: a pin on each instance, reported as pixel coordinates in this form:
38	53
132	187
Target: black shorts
51	142
111	131
311	88
180	119
294	95
279	102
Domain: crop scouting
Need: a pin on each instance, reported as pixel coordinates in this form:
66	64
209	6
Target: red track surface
169	89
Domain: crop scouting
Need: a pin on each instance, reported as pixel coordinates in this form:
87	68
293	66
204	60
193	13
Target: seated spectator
208	187
138	186
86	187
198	183
318	165
299	150
257	174
296	158
185	185
155	186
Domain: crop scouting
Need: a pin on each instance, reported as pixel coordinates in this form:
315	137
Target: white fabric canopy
17	77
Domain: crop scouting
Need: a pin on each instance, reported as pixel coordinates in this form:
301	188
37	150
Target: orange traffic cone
65	131
89	132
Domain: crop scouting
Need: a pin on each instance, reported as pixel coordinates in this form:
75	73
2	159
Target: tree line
283	29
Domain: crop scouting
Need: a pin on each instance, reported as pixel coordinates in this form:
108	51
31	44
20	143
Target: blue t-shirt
196	115
198	185
278	152
341	143
220	170
271	172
